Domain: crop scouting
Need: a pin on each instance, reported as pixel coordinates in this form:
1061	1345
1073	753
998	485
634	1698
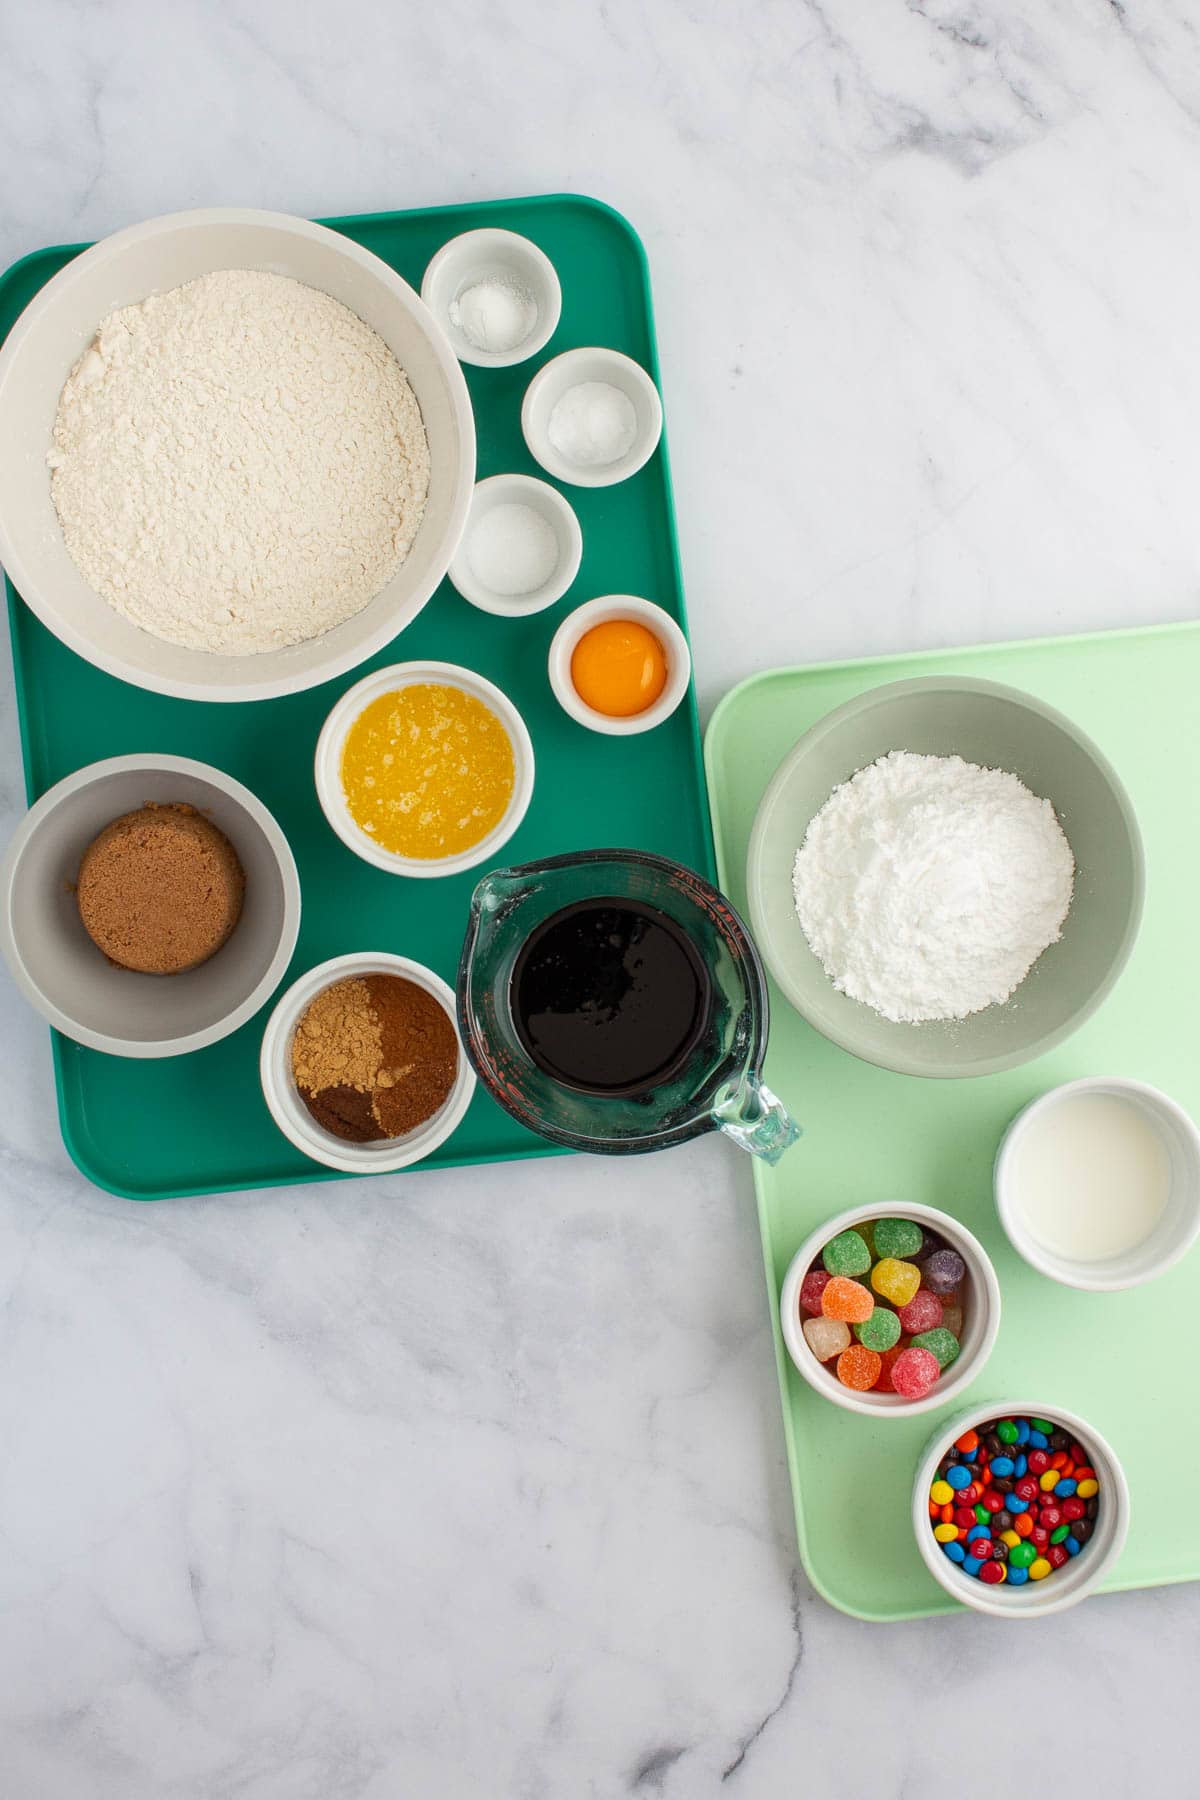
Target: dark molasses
609	996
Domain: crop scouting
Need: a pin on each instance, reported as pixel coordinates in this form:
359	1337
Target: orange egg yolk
619	668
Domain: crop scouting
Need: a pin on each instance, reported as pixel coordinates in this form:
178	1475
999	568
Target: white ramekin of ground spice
361	1064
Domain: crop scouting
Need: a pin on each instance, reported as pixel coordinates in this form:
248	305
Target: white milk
1090	1176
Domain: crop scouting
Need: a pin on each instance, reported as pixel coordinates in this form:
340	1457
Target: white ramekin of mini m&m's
1045	1524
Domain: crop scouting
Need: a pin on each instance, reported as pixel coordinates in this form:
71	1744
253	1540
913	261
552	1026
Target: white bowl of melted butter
1097	1183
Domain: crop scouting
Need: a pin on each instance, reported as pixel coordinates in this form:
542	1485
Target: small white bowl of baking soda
495	295
592	417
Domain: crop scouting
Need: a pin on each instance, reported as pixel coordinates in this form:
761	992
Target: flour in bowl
238	464
928	887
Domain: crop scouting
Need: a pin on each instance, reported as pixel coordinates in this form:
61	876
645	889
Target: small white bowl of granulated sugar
521	549
495	295
592	417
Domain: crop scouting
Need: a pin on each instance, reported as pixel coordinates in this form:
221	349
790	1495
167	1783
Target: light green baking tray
198	1124
1124	1361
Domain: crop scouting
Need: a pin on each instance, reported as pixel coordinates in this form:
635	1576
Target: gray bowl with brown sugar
206	957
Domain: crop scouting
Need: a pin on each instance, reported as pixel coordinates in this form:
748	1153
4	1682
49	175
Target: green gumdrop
847	1254
940	1343
880	1331
897	1237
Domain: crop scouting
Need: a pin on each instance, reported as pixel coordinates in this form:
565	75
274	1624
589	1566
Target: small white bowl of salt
495	295
592	417
521	549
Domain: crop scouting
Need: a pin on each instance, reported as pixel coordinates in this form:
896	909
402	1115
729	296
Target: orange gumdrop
842	1298
858	1368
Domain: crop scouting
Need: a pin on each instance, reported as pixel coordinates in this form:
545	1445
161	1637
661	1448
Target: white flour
238	464
928	886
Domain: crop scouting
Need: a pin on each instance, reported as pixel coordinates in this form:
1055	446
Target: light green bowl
1000	728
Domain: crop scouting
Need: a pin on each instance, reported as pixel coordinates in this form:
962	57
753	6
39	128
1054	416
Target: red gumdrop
811	1289
991	1572
923	1312
914	1373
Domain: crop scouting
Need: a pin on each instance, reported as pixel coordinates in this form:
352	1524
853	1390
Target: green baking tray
198	1124
875	1138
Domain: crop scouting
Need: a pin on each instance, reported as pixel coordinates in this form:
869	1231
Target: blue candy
955	1551
1001	1465
1064	1489
972	1565
958	1477
1015	1504
977	1531
1022	1431
1020	1467
1038	1439
1017	1576
1072	1546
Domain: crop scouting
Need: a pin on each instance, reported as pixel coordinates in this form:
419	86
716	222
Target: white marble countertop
472	1484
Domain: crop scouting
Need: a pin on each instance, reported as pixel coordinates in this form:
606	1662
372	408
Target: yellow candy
897	1281
942	1493
945	1534
1050	1479
1039	1569
1086	1489
1010	1538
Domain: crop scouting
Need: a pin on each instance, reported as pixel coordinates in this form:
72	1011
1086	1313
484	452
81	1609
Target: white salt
512	549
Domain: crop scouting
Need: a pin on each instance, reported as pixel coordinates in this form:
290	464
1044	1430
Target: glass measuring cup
718	1086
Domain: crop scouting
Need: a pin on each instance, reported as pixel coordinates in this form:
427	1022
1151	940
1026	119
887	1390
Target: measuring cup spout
756	1119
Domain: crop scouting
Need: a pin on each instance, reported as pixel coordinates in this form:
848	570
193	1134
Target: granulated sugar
238	464
928	887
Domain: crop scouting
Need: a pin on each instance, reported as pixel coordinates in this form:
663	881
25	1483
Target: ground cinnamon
373	1057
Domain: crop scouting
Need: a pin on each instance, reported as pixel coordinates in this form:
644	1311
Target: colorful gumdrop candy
858	1368
847	1254
886	1361
923	1312
952	1319
846	1299
942	1272
811	1289
880	1331
898	1237
940	1343
914	1372
895	1280
826	1338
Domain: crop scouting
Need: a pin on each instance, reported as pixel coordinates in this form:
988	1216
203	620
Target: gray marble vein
471	1485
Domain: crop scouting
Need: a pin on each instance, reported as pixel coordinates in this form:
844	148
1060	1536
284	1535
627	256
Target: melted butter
427	770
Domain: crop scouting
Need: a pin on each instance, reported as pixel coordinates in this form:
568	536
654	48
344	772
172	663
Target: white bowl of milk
1098	1183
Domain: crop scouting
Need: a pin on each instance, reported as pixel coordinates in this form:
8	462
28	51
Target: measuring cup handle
756	1119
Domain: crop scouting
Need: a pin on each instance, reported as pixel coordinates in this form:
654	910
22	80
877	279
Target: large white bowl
56	328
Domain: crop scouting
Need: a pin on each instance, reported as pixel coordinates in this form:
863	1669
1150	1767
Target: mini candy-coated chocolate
1006	1514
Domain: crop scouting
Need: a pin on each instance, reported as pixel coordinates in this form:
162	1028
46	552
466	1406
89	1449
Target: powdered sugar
238	464
928	886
